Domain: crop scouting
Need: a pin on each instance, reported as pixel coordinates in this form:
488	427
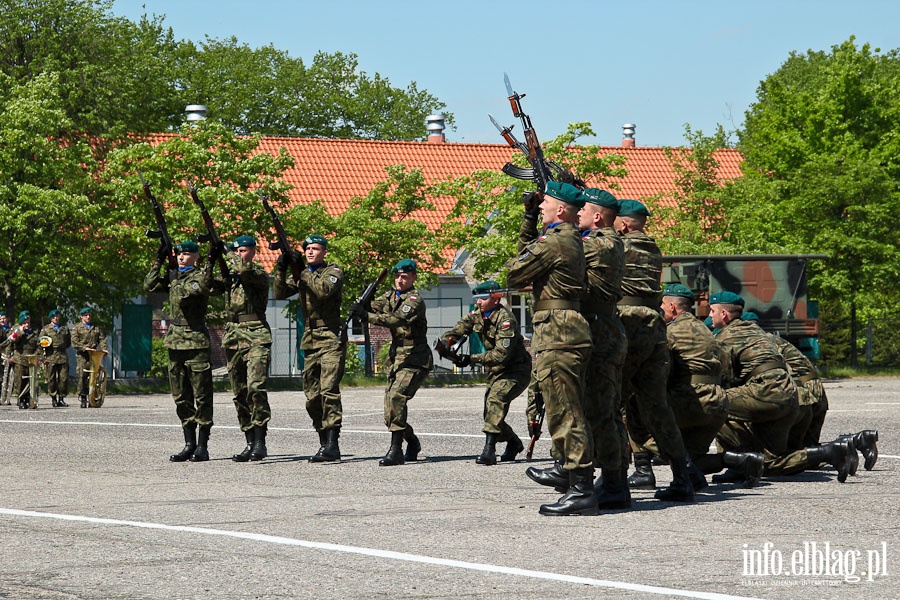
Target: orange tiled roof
334	170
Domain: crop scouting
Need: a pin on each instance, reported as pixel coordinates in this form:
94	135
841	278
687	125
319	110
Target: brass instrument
45	341
33	361
5	386
97	379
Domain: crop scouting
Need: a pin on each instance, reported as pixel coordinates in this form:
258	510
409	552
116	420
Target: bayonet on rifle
364	300
281	242
161	232
210	236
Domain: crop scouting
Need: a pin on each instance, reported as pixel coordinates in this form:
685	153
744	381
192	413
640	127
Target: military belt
600	309
313	323
765	367
406	343
639	301
557	305
182	323
697	379
246	318
808	377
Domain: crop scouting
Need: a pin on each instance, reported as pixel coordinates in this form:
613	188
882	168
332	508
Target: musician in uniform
24	342
5	344
56	361
86	336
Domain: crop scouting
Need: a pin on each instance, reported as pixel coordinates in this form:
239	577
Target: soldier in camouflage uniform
761	397
56	361
402	310
5	353
23	342
604	255
506	360
187	341
695	392
86	335
320	290
248	346
552	262
646	371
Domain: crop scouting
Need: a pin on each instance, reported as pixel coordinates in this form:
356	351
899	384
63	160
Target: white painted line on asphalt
402	556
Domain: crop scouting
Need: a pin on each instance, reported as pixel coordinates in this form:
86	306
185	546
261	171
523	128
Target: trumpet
97	379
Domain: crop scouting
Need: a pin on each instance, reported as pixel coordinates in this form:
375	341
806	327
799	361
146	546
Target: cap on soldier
600	198
407	265
187	246
84	310
52	313
23	315
677	289
243	240
749	316
632	208
726	298
315	238
565	192
486	288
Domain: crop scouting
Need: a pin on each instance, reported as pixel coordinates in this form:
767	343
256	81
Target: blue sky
657	64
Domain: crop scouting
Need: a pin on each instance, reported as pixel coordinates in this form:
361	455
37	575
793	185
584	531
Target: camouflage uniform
694	389
604	255
324	356
24	344
84	337
506	359
554	265
646	371
56	363
187	340
762	399
248	342
409	360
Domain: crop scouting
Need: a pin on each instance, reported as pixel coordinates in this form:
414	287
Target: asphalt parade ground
90	507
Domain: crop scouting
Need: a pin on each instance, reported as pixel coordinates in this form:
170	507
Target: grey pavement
90	507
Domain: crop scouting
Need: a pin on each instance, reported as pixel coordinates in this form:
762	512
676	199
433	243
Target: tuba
97	379
32	361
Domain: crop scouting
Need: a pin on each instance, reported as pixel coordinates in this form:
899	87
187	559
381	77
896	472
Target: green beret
2	313
243	240
407	265
52	313
726	298
23	315
632	208
84	310
677	289
315	238
187	246
601	198
750	316
565	192
486	288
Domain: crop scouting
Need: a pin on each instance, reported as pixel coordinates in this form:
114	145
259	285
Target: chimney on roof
434	124
628	135
194	112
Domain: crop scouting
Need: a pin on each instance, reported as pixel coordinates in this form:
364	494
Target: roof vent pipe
434	124
628	135
194	112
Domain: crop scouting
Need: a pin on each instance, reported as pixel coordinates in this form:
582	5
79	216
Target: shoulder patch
505	325
413	298
195	286
333	279
505	342
406	308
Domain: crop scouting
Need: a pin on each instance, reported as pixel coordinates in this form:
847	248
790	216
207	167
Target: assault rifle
161	232
364	299
281	242
542	170
451	352
217	246
534	427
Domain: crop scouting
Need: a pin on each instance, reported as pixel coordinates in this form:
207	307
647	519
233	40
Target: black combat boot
643	477
555	476
318	455
190	444
53	401
681	489
83	401
201	454
489	452
744	467
330	451
394	454
244	455
698	478
853	457
513	448
612	489
259	452
866	442
836	454
61	402
413	447
579	499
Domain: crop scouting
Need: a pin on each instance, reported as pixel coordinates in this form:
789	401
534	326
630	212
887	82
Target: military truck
773	286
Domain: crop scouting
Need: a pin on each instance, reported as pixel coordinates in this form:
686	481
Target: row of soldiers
20	343
622	366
